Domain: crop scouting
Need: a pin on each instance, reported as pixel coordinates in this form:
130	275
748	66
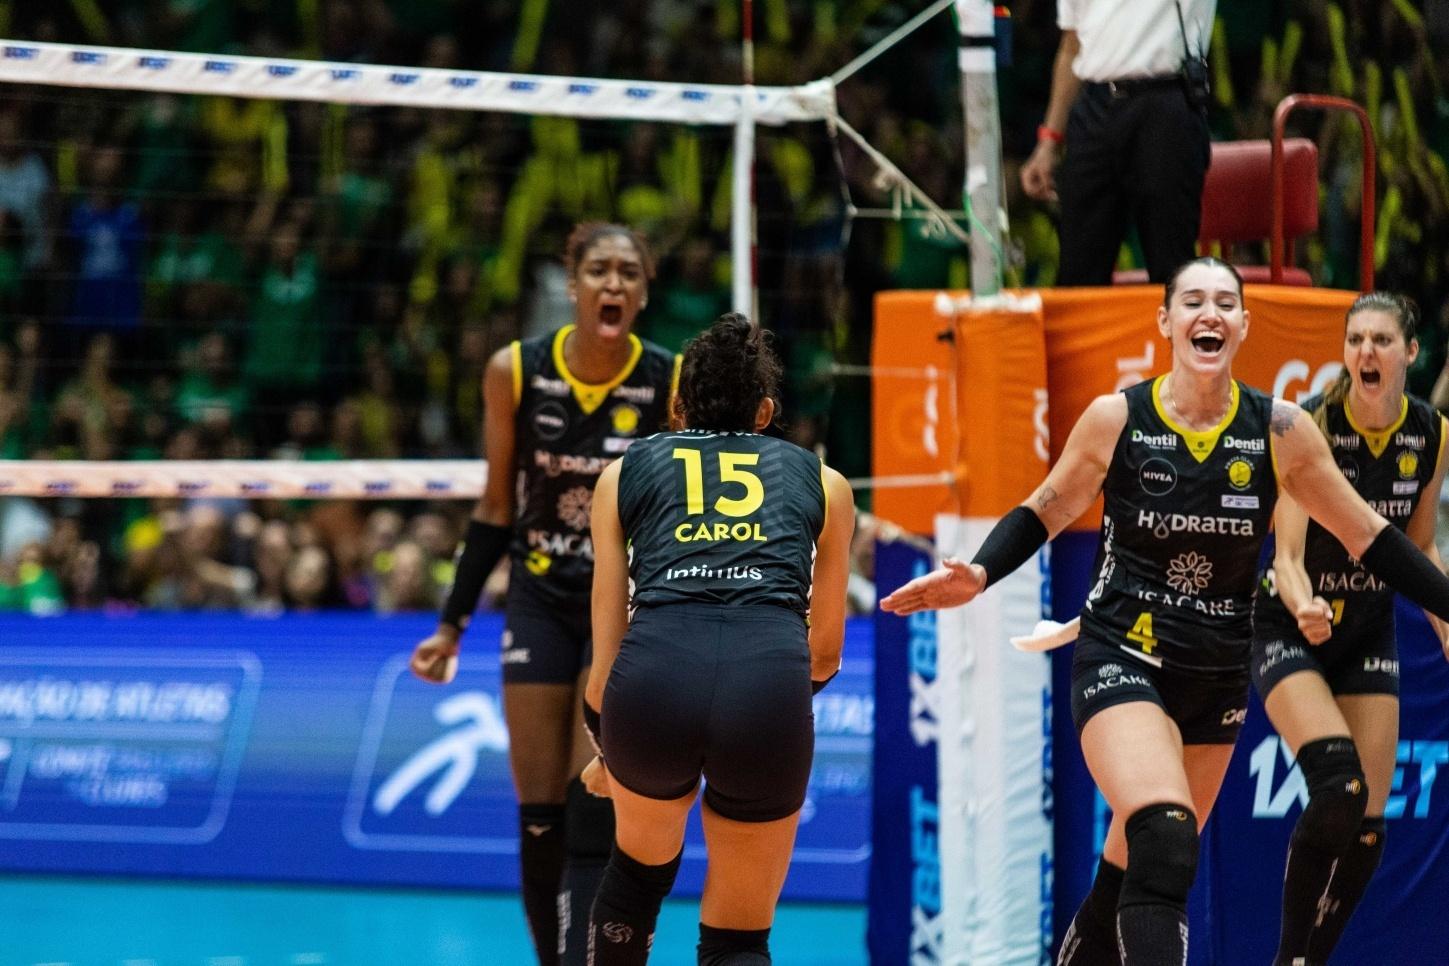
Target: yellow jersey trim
674	378
1377	440
591	396
515	351
1200	443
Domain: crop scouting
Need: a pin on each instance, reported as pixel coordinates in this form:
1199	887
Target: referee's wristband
1044	133
592	724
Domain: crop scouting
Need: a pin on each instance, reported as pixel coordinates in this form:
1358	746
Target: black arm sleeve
1394	559
1011	543
483	546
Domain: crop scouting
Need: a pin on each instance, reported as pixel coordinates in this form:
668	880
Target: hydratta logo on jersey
1164	525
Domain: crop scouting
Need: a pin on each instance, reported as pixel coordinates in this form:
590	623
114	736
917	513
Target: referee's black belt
1131	86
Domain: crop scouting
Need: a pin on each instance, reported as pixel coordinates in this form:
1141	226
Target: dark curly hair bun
729	369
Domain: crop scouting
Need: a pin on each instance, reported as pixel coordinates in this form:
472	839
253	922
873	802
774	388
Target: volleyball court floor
47	921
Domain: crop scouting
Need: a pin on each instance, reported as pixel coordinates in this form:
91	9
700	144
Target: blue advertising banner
300	748
904	924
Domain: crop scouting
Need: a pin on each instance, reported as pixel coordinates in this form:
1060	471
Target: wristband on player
483	546
817	686
1393	558
1012	542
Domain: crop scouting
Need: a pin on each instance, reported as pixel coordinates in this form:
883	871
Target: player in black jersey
719	597
1190	464
558	409
1325	660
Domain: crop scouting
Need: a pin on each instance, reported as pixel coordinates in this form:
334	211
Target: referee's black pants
1135	158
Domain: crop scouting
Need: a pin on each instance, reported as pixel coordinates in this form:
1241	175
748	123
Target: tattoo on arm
1282	419
1047	497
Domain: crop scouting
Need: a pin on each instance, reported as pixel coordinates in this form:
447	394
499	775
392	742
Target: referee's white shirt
1134	38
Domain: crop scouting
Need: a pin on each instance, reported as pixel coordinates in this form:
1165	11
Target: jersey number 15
729	472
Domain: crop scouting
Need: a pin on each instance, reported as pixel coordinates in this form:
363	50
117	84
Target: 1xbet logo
1419	763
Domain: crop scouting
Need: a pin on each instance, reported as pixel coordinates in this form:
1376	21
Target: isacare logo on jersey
1164	525
1157	476
1155	441
1408	464
1112	676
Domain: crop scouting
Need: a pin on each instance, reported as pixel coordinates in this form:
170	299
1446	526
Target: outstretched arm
1064	495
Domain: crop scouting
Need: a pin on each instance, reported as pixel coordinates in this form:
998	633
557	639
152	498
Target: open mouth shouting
1208	345
1370	378
611	318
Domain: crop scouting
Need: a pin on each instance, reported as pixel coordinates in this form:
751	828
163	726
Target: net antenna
740	106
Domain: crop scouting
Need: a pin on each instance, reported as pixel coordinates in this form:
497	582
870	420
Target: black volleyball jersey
1390	469
721	518
1186	515
566	432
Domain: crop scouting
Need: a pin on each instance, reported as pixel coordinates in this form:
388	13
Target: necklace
1177	413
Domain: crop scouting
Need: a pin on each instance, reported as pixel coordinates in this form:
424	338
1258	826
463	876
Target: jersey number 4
1141	632
729	472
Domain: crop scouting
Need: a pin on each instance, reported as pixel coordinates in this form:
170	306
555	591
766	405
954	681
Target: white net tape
252	479
68	65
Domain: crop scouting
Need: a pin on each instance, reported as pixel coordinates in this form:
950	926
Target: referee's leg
1094	210
1166	169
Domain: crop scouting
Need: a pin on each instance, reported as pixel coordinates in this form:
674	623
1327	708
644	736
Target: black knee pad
1161	856
631	885
733	947
1337	795
588	824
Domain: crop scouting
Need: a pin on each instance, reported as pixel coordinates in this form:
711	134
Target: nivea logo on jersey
549	387
635	394
555	464
1411	440
1163	525
550	420
1157	476
1245	445
1155	441
1349	470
